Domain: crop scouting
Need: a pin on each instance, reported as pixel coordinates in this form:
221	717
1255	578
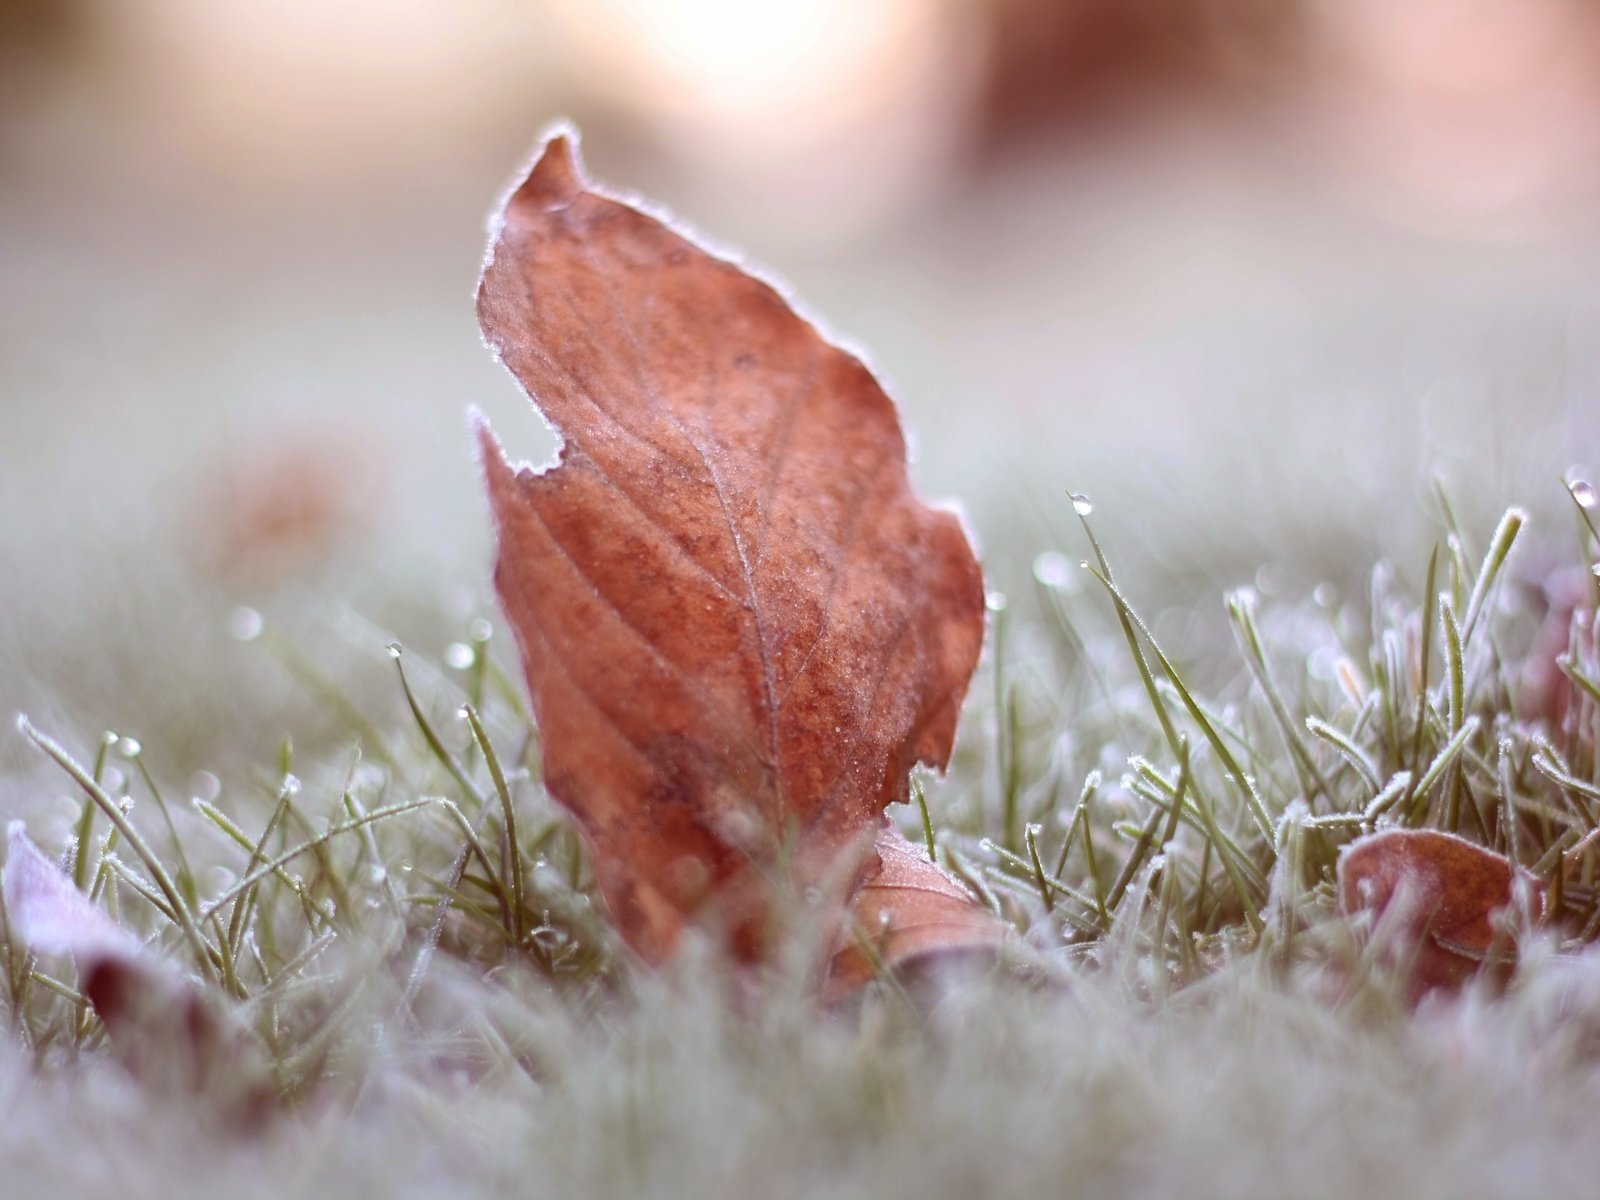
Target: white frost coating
49	913
560	127
564	127
958	510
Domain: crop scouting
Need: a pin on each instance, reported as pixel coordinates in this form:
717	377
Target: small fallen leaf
739	626
164	1028
1451	892
1568	630
907	909
51	915
273	506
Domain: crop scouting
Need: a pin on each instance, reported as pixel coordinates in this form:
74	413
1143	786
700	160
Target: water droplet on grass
1054	570
995	602
1081	504
291	785
129	747
394	649
1583	492
480	630
459	655
245	624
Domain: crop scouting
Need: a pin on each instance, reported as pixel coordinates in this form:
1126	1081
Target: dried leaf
739	626
162	1025
907	909
276	505
51	915
1450	894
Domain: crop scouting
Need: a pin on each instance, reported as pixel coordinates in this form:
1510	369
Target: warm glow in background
1248	272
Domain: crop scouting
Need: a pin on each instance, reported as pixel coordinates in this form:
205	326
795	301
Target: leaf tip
490	453
556	176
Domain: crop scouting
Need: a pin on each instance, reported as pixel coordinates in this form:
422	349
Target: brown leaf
275	505
739	626
907	909
1451	891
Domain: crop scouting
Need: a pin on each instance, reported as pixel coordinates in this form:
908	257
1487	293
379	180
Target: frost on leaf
1445	898
51	916
739	626
162	1025
906	908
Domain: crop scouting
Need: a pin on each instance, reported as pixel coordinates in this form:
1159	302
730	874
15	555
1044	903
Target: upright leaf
739	626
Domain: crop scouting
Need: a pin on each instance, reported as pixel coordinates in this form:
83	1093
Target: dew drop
1322	662
480	630
995	601
459	655
291	785
548	936
463	713
394	649
245	624
129	747
1583	492
1081	504
1054	570
1323	594
205	786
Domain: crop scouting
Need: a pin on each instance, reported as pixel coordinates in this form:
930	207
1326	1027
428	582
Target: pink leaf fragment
51	915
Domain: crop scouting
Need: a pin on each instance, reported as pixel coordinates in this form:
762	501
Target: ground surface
1261	401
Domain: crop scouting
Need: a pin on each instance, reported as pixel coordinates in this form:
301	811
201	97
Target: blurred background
1250	273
